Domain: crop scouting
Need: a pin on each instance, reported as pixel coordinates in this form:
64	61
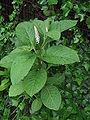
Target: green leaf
87	108
81	16
35	81
55	35
63	25
51	97
67	24
25	118
8	60
6	114
21	66
2	73
69	4
66	11
60	55
57	79
4	84
15	102
24	34
22	105
50	2
36	105
55	26
16	89
88	22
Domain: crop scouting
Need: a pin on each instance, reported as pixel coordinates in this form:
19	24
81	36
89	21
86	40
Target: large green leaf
55	26
51	97
50	2
36	105
21	66
63	25
24	34
16	89
54	34
7	60
60	55
35	81
66	24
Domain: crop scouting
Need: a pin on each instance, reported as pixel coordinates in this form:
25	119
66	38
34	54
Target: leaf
51	97
87	108
16	89
35	81
69	4
67	24
2	73
36	105
22	105
21	66
60	55
55	26
66	11
8	60
24	34
54	34
88	22
50	2
63	25
25	118
81	16
6	114
4	84
15	102
57	79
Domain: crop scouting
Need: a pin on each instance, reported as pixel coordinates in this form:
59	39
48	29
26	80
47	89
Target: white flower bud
36	35
46	29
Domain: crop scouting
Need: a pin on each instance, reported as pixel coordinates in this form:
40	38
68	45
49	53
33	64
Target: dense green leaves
60	55
21	66
35	81
51	97
36	105
24	34
16	89
25	31
50	2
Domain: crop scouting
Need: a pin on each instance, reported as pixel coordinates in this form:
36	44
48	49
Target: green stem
39	61
34	50
43	42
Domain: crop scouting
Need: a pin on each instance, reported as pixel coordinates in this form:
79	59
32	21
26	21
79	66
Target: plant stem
43	42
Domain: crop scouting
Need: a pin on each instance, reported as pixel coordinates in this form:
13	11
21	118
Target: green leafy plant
36	51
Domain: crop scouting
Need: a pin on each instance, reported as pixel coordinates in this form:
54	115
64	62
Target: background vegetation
75	89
